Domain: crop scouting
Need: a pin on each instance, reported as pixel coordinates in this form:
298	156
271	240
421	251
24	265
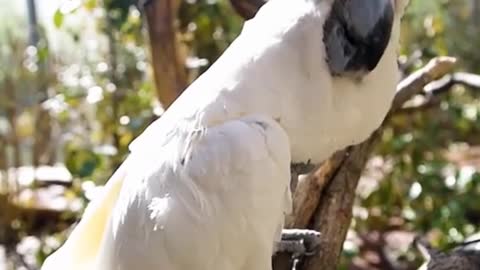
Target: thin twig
415	83
433	91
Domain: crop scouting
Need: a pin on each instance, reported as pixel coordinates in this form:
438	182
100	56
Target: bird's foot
299	242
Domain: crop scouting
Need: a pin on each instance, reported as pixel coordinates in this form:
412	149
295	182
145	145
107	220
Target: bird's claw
299	242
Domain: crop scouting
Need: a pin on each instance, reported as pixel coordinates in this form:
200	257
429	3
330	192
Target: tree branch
334	183
168	63
247	8
433	91
414	84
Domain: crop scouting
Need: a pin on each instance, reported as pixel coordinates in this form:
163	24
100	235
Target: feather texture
207	185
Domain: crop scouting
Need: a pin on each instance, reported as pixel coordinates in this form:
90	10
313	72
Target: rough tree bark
247	8
168	62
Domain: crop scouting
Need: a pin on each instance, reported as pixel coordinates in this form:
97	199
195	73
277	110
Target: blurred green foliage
425	189
102	96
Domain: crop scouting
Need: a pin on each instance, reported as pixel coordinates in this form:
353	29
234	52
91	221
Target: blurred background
77	85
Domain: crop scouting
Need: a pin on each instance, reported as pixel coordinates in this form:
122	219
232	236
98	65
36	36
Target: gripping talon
299	242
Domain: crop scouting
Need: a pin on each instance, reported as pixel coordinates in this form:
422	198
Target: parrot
207	185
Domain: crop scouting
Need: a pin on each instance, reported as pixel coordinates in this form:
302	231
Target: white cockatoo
206	186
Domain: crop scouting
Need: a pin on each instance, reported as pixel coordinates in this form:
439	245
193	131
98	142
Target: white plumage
207	185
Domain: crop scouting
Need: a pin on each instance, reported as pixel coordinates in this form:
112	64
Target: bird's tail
80	250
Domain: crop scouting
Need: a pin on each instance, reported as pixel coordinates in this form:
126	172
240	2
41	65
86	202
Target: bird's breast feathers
207	184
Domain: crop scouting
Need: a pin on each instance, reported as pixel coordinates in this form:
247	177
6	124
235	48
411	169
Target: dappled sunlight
101	72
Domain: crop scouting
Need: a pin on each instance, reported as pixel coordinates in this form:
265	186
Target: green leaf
58	18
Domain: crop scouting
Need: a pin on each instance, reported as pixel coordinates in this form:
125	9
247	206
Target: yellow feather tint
83	245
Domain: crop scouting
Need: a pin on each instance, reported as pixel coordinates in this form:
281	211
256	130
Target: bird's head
325	59
357	32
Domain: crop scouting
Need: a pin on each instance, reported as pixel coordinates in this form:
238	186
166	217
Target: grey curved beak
356	34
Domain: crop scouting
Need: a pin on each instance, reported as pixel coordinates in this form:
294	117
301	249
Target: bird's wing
215	199
212	197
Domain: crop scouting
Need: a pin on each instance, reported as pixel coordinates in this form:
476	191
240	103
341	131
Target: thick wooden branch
306	195
323	200
247	8
168	62
334	213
